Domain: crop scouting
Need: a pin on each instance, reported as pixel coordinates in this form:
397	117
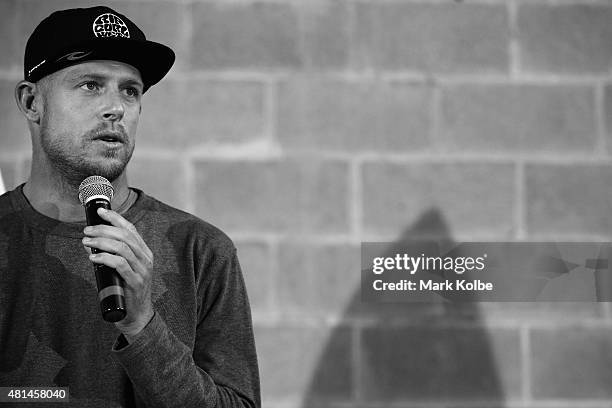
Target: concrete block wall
302	128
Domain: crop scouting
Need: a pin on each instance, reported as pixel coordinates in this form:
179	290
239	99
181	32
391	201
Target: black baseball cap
72	36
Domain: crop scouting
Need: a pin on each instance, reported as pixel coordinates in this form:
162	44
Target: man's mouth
109	137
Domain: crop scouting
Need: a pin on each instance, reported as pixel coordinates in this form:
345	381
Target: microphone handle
110	284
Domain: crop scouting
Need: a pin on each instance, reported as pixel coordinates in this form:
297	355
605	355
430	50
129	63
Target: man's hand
127	253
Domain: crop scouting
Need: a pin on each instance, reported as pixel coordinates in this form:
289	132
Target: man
187	339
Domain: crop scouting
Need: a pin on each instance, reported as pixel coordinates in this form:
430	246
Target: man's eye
90	86
132	92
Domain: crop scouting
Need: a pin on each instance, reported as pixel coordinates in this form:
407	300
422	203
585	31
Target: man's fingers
114	247
121	235
118	221
121	230
108	231
122	267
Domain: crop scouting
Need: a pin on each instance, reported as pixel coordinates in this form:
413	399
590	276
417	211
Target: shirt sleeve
222	369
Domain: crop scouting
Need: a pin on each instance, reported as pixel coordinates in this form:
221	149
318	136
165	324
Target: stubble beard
74	166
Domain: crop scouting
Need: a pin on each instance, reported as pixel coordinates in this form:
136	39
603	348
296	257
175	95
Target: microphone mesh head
95	186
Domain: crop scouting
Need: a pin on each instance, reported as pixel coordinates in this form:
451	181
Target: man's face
90	115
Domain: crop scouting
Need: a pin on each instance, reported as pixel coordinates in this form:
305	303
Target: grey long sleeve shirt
197	351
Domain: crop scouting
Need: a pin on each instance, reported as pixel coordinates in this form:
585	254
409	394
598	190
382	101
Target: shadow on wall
415	352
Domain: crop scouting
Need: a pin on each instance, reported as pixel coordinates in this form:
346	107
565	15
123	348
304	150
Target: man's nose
112	109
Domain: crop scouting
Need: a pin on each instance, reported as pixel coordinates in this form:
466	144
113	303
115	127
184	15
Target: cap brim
153	60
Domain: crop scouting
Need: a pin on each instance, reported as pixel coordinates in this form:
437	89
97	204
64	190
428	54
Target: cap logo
74	56
110	25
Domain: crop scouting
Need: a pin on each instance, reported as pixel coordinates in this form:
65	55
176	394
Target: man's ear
27	96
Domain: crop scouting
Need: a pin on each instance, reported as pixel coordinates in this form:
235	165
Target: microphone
97	192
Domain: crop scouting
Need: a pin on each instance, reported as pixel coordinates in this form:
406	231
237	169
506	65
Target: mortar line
520	200
351	24
436	118
602	145
514	44
356	199
274	303
526	365
190	189
270	112
358	364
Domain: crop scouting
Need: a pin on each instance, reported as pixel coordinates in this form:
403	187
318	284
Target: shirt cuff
161	367
152	329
